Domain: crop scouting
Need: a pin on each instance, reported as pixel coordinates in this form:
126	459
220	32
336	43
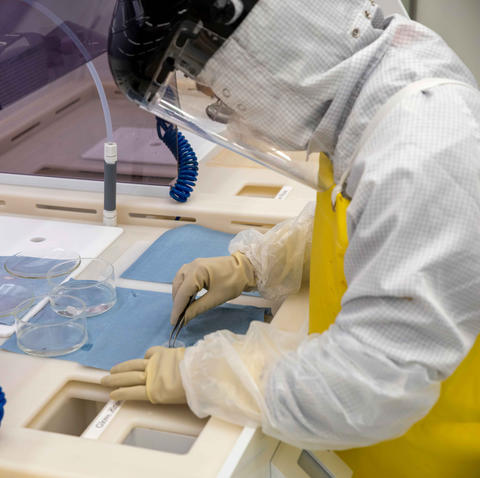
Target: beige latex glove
224	277
156	378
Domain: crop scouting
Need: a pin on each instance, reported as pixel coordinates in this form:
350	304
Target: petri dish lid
35	263
11	295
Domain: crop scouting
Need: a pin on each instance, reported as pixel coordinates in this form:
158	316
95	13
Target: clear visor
181	100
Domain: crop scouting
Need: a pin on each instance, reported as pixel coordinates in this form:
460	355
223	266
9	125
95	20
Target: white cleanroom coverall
413	227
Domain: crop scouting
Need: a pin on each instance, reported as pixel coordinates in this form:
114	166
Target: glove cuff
247	269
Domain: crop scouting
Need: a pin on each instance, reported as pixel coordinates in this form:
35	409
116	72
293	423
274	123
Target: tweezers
179	324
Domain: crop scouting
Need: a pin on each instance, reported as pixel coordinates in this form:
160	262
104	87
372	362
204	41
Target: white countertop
37	388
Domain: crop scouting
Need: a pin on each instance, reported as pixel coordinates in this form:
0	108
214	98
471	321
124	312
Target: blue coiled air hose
187	160
3	401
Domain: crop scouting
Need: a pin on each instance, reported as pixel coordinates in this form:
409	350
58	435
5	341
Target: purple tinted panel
35	51
60	133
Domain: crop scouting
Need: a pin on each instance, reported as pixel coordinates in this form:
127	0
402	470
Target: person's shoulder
434	121
424	137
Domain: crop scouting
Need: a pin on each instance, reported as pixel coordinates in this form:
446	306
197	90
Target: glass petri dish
58	328
34	263
11	295
95	284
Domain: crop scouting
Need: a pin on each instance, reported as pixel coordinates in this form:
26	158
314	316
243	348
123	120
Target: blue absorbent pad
161	261
141	319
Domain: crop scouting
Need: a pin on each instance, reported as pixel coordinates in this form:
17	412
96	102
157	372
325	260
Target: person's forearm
324	392
281	256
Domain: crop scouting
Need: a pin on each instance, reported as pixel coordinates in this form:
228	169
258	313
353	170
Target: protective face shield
158	55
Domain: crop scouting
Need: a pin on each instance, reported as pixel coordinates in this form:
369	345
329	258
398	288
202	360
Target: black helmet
150	38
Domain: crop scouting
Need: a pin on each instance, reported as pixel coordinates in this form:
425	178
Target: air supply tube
110	149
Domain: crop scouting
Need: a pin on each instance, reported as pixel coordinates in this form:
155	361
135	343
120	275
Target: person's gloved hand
224	277
156	378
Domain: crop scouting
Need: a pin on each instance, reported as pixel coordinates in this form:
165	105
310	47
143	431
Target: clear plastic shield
195	107
167	81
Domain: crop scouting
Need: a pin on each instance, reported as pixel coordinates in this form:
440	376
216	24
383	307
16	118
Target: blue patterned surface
139	320
161	261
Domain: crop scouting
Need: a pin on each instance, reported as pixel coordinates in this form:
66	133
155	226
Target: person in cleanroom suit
388	373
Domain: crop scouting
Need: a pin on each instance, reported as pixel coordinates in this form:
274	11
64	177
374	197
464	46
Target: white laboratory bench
51	402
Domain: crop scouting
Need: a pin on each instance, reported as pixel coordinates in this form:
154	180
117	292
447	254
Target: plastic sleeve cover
281	256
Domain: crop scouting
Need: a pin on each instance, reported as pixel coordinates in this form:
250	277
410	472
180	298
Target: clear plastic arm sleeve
281	256
323	392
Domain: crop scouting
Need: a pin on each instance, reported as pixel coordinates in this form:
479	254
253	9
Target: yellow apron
444	444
